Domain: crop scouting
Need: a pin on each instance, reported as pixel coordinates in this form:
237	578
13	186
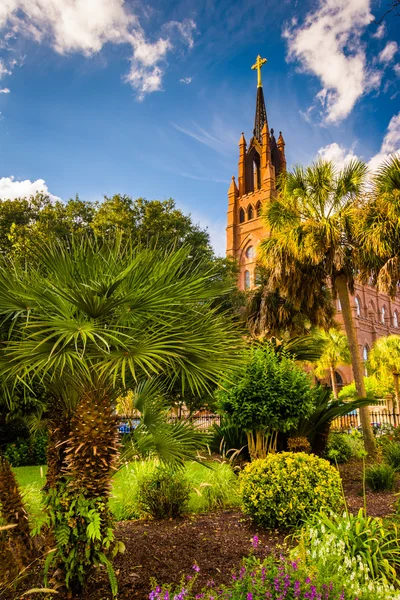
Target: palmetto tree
88	321
378	228
311	222
384	359
335	352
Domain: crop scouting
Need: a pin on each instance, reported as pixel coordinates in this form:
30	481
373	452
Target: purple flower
249	596
255	541
196	568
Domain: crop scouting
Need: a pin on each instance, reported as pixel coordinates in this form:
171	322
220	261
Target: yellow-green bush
284	489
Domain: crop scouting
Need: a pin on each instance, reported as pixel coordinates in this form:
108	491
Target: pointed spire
281	148
242	141
261	115
281	142
233	189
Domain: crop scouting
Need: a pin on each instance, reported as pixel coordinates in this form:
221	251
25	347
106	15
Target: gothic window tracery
247	280
250	252
250	212
241	216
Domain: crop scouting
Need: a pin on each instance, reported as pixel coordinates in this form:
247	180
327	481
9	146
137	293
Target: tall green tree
384	360
88	320
378	229
312	224
335	353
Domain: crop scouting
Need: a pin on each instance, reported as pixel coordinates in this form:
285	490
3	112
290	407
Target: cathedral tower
259	165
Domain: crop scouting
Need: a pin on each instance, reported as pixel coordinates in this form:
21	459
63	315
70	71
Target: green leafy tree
384	361
271	396
87	320
311	223
335	353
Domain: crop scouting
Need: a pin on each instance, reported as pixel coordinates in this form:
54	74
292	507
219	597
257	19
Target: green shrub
27	452
284	489
391	454
229	436
380	477
218	488
163	494
338	449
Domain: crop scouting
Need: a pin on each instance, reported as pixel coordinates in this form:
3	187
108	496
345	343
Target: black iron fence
202	421
382	421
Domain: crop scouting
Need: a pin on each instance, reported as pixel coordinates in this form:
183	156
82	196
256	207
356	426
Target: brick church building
260	162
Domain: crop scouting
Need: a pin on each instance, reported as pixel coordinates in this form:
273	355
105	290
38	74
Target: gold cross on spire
258	65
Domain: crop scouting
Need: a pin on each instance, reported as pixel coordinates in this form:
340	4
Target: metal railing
381	420
201	421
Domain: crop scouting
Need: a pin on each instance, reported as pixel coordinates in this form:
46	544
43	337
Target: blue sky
110	96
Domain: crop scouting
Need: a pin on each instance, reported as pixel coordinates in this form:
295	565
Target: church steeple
261	113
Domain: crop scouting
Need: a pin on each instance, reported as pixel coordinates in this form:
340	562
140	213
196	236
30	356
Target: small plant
299	444
338	449
380	477
284	489
391	454
163	494
350	541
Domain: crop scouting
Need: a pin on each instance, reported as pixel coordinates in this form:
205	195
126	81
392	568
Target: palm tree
384	359
87	320
378	229
311	223
335	352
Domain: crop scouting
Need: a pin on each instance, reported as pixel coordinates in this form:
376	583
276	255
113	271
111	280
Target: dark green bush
228	436
164	494
28	452
391	454
380	477
338	449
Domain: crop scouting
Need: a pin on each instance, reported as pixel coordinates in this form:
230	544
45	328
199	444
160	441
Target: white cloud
388	53
186	80
390	145
3	69
396	69
328	44
11	189
4	91
85	26
339	155
380	32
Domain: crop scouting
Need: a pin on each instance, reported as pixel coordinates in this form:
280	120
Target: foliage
378	228
391	454
84	537
358	548
284	489
338	449
271	396
164	494
336	352
316	426
299	444
228	435
312	225
27	452
380	477
375	389
218	487
268	578
154	434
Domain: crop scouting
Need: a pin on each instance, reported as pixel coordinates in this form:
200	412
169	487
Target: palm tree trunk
333	381
343	292
396	389
14	514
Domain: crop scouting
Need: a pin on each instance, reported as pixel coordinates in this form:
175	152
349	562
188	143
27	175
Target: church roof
261	115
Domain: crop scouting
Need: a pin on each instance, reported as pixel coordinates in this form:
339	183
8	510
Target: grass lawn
213	487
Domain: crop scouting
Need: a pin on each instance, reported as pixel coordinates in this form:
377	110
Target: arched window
358	306
339	306
250	252
383	314
241	216
338	379
258	209
247	280
395	319
365	353
250	212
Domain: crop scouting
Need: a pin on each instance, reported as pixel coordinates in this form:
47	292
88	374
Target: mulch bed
167	550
